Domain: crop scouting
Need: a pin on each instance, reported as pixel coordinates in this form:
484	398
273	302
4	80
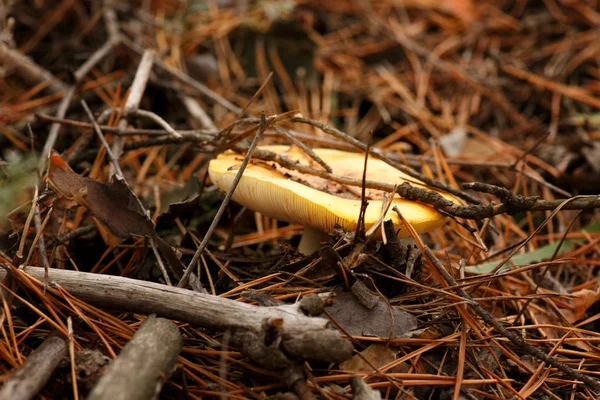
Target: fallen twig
144	364
298	335
69	92
28	69
27	381
263	126
513	337
133	101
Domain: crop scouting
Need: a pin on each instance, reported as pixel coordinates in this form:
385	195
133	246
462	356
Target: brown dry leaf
530	361
112	205
116	210
583	299
462	9
431	332
376	355
358	320
547	318
557	333
478	148
180	196
592	156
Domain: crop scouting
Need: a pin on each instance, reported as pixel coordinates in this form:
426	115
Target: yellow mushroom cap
282	194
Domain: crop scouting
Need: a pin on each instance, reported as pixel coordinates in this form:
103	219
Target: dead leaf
113	205
544	318
592	155
583	300
376	355
177	196
530	361
462	9
358	320
116	210
431	332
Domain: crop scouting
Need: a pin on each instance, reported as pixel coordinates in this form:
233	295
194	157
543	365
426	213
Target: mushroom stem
311	240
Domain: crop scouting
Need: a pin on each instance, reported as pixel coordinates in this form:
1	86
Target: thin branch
161	266
263	126
136	91
156	118
27	69
74	234
408	171
306	149
114	162
197	112
39	227
513	337
140	81
127	131
187	80
69	92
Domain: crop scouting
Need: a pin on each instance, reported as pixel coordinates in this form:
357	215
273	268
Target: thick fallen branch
27	381
143	365
296	334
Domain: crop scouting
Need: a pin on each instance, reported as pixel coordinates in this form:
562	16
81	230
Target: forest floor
110	113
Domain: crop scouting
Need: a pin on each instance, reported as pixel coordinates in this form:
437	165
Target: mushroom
317	203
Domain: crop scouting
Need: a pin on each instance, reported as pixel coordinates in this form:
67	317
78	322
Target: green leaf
17	179
537	255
